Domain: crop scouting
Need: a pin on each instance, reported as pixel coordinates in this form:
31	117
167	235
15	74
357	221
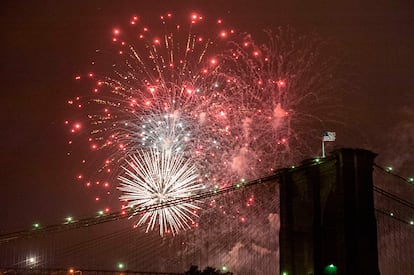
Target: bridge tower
328	222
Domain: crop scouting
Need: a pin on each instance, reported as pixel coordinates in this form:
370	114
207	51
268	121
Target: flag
328	136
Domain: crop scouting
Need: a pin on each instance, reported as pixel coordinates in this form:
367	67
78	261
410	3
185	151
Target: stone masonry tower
328	222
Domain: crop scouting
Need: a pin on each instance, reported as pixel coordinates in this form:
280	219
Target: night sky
46	43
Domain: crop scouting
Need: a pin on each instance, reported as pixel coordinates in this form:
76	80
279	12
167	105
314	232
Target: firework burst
223	108
154	178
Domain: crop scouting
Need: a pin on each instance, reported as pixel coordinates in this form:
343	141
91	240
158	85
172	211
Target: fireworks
154	178
216	109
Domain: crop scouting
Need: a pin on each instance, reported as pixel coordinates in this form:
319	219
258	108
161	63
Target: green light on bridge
331	269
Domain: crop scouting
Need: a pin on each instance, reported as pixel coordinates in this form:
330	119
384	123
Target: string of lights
390	171
393	216
70	223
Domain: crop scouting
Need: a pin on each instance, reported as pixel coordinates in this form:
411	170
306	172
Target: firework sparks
154	178
236	109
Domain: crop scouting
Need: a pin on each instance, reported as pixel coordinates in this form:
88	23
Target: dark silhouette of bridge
338	215
327	216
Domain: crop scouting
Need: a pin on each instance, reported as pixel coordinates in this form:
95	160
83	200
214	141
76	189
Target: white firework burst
160	131
156	178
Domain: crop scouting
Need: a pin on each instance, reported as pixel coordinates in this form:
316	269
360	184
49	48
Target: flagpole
323	148
327	136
